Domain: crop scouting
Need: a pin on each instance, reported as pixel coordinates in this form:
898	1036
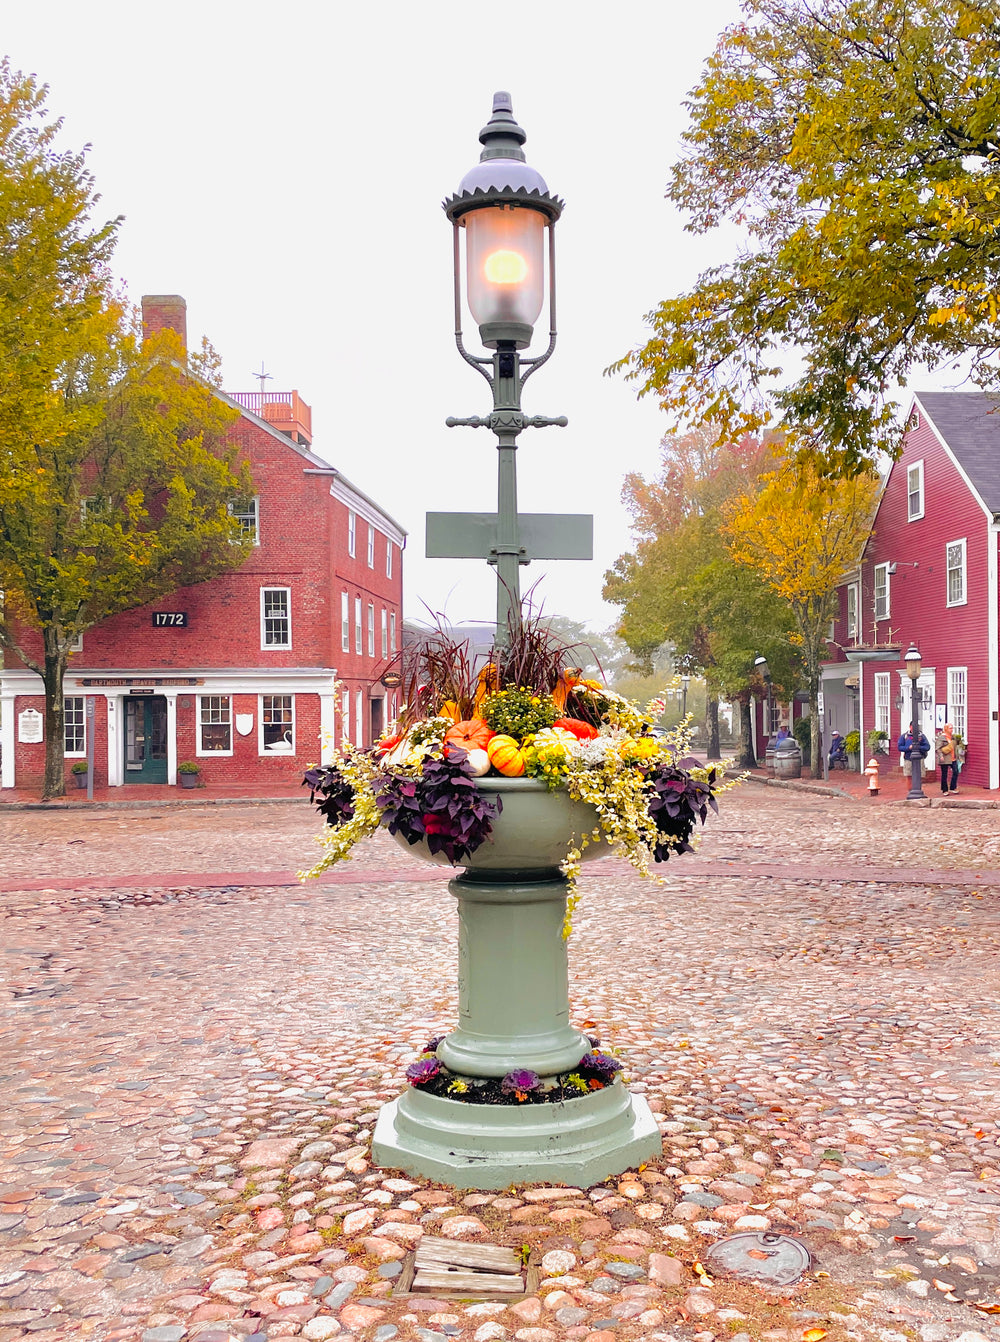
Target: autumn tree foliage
680	585
114	475
800	533
857	144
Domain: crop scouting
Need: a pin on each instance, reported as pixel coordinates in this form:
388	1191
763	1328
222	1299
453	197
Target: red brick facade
246	693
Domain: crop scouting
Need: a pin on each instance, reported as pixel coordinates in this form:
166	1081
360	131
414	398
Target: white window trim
345	716
952	672
388	557
385	632
261	750
359	719
213	754
883	681
888	593
915	466
965	573
371	546
359	636
852	628
392	633
352	533
345	622
275	647
256	516
76	754
371	628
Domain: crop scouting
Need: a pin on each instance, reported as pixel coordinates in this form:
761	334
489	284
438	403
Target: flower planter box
188	780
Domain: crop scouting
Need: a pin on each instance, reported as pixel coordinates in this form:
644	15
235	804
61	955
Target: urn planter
513	989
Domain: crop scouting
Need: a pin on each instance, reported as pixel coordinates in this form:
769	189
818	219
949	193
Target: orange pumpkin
506	756
583	731
472	734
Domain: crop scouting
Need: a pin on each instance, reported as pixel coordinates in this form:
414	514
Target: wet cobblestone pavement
190	1074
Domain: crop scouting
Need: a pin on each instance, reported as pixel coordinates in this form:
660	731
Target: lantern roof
502	177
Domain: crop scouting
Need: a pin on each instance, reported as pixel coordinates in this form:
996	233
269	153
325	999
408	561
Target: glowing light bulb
505	267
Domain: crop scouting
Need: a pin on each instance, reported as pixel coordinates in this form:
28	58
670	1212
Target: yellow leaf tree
802	532
115	473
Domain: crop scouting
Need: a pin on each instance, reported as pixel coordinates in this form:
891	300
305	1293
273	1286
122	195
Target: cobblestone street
193	1049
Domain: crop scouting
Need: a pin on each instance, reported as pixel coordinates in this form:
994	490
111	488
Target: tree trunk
712	726
746	759
54	782
816	744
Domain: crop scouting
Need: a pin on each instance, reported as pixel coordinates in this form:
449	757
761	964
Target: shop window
215	724
958	700
277	722
883	689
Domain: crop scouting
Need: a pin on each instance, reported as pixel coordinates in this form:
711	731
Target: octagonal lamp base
580	1141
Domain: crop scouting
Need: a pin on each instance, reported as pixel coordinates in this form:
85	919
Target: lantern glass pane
505	259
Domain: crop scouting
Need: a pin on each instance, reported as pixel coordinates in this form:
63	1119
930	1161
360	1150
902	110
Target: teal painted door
145	739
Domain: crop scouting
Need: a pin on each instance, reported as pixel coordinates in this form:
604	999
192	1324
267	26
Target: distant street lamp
505	210
685	682
761	667
912	661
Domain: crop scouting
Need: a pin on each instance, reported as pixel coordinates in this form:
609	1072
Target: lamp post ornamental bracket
507	421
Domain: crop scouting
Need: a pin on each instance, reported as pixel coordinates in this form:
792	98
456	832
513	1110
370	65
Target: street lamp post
912	661
685	682
761	667
505	210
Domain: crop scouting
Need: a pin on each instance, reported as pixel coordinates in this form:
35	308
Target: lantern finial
502	137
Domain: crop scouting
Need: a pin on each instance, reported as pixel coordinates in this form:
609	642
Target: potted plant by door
187	774
878	742
852	744
79	772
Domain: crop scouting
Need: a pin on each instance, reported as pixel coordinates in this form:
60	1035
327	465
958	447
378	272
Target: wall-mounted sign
30	725
244	723
392	679
170	619
120	682
141	690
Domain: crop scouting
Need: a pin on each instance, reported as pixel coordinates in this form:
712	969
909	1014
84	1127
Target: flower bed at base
595	1070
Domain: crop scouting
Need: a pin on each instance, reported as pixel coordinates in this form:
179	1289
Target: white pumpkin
478	763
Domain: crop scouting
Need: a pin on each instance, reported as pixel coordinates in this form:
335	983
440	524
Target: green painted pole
507	422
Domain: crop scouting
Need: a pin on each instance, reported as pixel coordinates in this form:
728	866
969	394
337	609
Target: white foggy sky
282	167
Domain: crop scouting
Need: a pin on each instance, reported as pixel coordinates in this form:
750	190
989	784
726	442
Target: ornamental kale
335	792
441	805
521	1082
676	802
601	1066
419	1073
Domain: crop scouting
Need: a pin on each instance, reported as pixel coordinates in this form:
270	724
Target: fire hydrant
871	773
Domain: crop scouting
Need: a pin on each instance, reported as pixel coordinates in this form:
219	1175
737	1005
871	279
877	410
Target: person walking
946	757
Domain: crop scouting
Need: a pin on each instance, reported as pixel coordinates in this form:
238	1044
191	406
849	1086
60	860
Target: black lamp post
761	667
912	660
685	682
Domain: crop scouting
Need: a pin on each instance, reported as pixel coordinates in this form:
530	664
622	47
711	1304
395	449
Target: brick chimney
164	310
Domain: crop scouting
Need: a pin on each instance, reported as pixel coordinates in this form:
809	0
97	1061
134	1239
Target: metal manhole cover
778	1259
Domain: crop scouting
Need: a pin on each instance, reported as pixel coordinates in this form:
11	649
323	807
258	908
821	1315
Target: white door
926	687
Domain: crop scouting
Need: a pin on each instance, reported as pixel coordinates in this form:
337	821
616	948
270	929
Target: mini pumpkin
471	734
583	731
478	763
506	756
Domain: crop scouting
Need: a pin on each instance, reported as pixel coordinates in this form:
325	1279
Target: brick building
237	674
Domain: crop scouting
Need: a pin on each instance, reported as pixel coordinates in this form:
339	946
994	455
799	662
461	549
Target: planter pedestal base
488	1146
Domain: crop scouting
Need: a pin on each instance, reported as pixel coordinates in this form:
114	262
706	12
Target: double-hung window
345	715
277	722
352	533
392	632
371	547
75	725
915	492
247	513
371	628
883	689
215	724
345	622
958	678
358	648
955	563
388	557
385	632
275	617
852	610
881	591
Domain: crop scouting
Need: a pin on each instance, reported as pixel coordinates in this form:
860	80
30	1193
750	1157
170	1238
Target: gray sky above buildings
282	167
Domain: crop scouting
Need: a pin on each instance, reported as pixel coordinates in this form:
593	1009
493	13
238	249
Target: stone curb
149	801
822	790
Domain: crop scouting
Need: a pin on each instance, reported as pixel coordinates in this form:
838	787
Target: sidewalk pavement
141	794
893	787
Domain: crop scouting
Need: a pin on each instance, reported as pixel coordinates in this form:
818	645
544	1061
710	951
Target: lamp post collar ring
481	195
